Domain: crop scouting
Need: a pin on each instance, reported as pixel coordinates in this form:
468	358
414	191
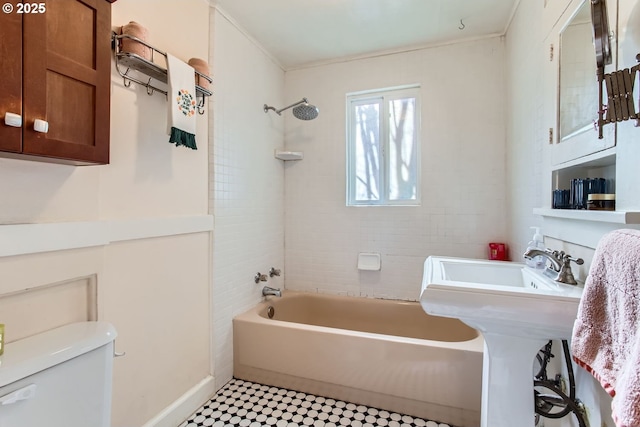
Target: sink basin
517	309
499	296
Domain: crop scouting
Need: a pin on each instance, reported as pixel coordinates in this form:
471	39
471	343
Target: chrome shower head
303	110
306	111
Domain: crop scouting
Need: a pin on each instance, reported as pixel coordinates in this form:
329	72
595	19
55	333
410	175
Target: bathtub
386	354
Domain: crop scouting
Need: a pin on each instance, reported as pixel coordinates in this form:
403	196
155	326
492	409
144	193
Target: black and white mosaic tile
247	404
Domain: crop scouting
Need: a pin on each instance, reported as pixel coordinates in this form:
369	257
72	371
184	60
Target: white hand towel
182	103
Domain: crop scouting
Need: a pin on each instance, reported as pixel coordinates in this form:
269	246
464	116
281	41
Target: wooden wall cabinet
55	68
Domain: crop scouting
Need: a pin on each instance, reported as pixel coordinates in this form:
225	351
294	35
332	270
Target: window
382	147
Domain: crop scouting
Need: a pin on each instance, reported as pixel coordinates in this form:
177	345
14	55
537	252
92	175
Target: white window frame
384	95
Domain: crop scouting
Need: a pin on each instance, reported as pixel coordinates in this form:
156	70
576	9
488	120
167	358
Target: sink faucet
271	291
560	264
555	262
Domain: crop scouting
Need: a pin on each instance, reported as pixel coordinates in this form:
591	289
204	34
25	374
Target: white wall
143	217
526	134
528	154
463	180
247	181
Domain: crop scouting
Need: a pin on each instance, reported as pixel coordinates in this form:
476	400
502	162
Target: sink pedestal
517	309
507	380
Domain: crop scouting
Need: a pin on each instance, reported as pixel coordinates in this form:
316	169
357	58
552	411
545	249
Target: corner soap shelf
288	155
150	69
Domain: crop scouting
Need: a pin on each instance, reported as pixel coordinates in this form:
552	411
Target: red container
498	251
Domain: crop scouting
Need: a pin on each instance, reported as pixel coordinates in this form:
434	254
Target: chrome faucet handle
566	275
274	272
259	277
568	258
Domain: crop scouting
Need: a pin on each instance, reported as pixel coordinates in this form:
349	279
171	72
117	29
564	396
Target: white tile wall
246	190
463	177
527	132
528	169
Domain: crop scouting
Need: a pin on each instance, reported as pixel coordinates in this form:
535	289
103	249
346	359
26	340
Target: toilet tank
59	378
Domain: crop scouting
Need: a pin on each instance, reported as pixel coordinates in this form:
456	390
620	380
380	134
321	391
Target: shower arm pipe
278	112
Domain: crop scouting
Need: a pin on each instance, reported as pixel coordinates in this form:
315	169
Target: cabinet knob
12	119
41	126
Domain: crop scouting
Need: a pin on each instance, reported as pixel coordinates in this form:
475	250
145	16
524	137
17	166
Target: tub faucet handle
259	277
274	272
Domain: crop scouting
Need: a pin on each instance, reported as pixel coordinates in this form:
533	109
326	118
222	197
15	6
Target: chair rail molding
23	239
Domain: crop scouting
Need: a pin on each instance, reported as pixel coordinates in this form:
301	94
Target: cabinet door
576	85
66	83
11	81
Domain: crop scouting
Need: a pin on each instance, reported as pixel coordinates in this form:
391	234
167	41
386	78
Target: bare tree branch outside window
368	125
383	148
403	158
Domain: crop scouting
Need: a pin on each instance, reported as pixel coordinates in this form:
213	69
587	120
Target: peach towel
131	46
606	333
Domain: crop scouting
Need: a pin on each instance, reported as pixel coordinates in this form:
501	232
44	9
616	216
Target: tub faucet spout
271	291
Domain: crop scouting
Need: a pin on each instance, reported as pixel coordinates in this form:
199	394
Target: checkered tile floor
246	404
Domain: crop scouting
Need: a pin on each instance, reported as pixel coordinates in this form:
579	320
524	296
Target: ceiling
303	32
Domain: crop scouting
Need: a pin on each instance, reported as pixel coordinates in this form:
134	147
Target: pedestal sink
517	309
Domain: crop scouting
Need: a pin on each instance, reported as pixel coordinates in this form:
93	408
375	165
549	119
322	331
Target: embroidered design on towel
181	111
186	103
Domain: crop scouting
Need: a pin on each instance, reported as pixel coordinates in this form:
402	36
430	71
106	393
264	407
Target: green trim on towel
180	137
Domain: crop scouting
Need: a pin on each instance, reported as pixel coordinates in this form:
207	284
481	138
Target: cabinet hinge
551	52
550	135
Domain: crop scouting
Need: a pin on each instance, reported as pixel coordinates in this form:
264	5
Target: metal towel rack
148	68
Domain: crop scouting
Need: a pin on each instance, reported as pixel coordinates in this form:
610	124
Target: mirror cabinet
573	85
574	62
576	153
